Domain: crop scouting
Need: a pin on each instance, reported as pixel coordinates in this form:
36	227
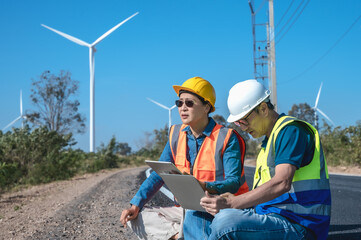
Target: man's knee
226	218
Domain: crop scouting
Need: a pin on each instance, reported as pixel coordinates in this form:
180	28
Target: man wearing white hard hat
199	146
291	196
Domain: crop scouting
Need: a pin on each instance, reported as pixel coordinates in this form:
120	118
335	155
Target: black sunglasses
179	103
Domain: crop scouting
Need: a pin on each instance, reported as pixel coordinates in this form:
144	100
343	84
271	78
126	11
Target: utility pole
272	55
264	54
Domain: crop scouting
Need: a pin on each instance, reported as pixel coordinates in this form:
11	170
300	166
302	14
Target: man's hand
213	203
129	214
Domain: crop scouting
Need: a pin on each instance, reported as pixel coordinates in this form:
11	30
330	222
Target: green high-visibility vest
309	200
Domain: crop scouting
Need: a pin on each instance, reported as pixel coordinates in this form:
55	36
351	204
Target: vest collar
265	140
207	131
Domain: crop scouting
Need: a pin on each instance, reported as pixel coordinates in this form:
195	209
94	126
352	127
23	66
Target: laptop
186	189
163	167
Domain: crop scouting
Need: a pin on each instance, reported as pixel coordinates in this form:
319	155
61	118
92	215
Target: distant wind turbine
167	108
91	65
21	114
319	110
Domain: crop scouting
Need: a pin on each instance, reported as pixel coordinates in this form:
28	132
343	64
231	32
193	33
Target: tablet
186	190
163	167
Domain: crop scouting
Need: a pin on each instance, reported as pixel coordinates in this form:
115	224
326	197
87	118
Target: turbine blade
18	118
112	30
318	95
21	103
174	106
161	105
71	38
323	114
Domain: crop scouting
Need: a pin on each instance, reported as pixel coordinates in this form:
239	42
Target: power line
289	6
299	14
327	52
290	18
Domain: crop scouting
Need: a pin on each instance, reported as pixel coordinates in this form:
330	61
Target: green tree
154	143
56	109
304	112
342	146
123	149
160	139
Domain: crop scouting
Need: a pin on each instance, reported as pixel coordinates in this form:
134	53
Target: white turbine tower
91	66
167	108
21	114
319	110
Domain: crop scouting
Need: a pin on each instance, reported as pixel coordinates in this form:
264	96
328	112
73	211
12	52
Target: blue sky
167	43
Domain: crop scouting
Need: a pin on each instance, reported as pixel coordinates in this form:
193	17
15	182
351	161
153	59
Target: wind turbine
91	66
167	108
319	110
21	114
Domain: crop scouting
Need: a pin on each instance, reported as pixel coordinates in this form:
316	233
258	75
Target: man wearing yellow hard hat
291	196
210	152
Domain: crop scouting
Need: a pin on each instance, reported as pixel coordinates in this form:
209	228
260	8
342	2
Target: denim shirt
231	163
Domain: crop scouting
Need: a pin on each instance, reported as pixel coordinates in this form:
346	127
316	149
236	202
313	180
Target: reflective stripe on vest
210	168
310	180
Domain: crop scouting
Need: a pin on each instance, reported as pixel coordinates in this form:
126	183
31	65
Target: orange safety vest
208	165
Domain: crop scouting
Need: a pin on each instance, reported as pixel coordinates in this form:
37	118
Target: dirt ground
27	212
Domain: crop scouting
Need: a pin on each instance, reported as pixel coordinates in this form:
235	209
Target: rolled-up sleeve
232	168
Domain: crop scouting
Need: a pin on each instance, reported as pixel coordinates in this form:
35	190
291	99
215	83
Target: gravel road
95	214
85	207
92	213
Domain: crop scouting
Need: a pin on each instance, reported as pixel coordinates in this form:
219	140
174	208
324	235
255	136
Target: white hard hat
245	96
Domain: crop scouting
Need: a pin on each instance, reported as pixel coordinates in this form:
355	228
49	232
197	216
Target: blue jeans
247	224
197	225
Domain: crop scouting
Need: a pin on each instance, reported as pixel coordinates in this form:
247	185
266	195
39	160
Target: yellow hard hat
199	86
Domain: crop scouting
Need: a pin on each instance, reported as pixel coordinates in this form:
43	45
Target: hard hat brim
232	118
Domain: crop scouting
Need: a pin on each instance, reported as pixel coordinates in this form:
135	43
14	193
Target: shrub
35	156
9	174
342	146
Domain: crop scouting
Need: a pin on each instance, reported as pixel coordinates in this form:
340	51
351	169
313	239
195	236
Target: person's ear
263	109
207	108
